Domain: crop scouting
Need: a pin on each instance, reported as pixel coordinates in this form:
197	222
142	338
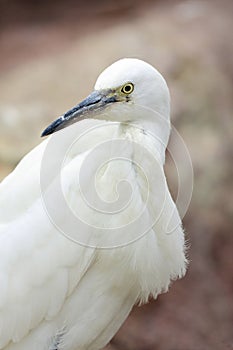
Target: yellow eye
127	88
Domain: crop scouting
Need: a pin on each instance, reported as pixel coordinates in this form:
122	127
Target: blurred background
50	55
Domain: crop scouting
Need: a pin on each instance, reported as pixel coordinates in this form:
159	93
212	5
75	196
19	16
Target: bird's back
60	294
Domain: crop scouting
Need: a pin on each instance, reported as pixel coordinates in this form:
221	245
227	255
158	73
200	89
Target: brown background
50	55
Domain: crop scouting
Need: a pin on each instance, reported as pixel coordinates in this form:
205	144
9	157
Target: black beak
96	101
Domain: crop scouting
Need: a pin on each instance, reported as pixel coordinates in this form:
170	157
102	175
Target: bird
84	217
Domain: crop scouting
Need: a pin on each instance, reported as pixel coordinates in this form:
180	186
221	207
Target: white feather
57	294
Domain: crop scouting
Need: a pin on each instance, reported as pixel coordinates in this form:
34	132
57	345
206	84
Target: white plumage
57	294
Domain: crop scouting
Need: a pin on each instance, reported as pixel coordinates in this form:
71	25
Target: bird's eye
127	88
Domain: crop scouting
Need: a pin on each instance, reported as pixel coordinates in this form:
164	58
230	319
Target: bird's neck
146	135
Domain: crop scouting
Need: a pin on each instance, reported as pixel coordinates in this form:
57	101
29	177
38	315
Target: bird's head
130	90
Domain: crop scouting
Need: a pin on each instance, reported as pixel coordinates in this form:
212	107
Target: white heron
66	292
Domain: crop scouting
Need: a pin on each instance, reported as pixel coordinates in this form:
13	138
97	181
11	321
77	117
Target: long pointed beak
95	102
